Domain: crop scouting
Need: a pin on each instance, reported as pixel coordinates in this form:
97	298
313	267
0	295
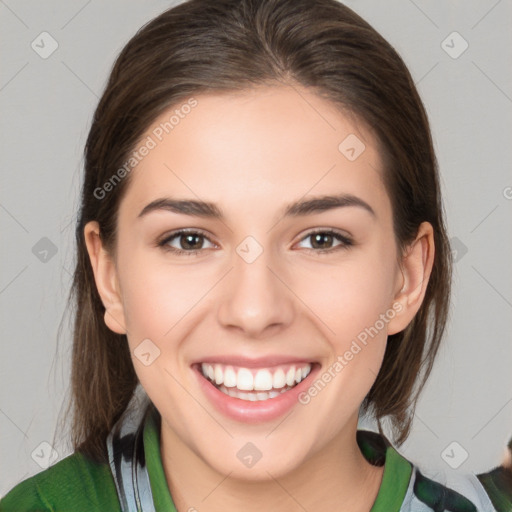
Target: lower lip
258	411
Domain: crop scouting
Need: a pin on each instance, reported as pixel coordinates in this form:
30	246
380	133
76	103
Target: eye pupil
189	237
318	237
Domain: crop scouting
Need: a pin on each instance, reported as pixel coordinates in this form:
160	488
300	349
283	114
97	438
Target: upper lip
254	362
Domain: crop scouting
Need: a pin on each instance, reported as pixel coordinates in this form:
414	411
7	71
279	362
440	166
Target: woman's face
256	301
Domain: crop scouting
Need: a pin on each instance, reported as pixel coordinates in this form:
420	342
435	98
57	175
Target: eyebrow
296	209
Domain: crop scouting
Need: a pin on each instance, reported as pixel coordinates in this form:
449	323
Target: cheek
355	307
351	297
156	297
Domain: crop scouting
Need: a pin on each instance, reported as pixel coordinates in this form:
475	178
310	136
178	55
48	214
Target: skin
257	151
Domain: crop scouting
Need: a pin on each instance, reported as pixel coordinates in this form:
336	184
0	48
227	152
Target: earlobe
416	267
105	277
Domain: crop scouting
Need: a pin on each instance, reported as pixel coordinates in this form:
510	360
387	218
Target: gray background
47	105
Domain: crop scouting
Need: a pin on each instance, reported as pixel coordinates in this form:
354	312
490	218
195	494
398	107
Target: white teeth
208	371
251	397
290	376
263	380
279	380
231	392
233	380
230	377
219	374
245	380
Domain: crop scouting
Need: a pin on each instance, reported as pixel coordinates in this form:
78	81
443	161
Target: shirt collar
397	470
161	495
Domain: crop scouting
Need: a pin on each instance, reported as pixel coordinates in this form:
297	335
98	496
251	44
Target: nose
256	299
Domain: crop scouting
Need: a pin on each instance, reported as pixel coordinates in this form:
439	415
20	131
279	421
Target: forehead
260	147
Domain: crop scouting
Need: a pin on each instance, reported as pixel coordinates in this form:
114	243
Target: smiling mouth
255	384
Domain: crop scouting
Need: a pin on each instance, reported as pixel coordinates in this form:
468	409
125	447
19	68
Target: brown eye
189	242
323	241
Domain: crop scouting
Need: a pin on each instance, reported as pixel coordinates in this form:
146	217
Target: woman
261	256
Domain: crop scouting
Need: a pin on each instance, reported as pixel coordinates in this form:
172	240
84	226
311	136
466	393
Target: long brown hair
228	45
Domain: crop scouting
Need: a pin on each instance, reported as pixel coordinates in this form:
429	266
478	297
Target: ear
106	279
416	267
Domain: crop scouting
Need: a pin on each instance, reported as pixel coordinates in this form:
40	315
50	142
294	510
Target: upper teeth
262	379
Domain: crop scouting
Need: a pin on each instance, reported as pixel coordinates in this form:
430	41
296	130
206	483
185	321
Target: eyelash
346	242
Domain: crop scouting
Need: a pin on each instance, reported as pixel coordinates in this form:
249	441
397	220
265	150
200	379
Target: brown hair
227	45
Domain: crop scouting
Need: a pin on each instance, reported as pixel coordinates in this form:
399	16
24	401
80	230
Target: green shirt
78	484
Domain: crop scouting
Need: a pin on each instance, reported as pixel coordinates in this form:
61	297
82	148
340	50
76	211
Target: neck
337	478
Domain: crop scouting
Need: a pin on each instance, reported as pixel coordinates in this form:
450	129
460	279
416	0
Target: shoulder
498	484
421	491
74	483
457	492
